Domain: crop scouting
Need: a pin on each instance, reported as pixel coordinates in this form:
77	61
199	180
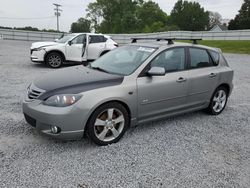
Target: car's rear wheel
54	60
218	101
108	123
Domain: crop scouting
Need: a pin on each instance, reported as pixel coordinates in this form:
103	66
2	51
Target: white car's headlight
62	100
38	49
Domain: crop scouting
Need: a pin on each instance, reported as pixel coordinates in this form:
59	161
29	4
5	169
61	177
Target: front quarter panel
124	93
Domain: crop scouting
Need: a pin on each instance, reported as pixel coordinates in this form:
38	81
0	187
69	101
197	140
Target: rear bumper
69	120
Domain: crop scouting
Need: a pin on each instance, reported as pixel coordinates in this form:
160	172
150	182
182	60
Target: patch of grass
238	47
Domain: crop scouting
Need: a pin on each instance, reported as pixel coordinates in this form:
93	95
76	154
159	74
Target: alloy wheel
109	124
55	61
219	101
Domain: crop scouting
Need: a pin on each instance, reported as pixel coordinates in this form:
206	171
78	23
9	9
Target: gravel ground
191	150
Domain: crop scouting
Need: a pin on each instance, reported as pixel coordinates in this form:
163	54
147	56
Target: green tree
82	25
113	16
27	28
127	16
241	20
151	18
189	16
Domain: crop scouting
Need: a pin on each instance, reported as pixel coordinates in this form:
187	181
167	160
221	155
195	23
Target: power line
57	13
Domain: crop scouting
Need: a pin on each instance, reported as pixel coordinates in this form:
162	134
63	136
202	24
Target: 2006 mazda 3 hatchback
130	85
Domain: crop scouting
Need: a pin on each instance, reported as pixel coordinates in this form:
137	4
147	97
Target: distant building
218	28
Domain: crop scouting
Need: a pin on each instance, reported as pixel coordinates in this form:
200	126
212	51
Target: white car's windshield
123	60
66	38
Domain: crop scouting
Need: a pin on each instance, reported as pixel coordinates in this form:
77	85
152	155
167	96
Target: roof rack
170	40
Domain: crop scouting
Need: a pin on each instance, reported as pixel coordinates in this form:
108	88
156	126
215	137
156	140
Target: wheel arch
57	51
124	104
226	86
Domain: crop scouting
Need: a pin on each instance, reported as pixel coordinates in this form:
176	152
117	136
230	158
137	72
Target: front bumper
37	56
70	120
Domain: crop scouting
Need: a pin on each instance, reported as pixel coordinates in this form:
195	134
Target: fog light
55	129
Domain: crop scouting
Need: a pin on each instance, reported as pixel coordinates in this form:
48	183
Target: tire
54	60
108	123
218	101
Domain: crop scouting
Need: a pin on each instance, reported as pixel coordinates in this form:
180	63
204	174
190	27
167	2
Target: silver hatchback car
130	85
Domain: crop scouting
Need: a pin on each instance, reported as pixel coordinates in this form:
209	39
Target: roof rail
170	40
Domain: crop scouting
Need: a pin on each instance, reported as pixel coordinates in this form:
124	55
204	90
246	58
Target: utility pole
57	13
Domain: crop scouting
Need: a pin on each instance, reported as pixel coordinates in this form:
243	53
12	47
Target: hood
75	80
42	44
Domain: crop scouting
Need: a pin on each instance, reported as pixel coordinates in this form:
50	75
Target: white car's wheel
54	60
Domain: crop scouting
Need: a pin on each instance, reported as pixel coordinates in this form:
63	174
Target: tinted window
215	56
97	39
199	58
172	60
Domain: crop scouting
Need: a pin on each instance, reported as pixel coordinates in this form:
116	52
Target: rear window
97	39
199	58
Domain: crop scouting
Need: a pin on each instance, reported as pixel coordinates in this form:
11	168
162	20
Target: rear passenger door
97	44
203	76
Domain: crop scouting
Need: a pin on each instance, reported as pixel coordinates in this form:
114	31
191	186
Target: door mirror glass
157	71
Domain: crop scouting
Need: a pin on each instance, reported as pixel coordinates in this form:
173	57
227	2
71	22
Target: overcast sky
18	13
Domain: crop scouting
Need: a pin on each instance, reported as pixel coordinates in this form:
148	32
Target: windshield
123	60
66	38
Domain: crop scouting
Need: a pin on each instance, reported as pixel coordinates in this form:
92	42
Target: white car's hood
42	44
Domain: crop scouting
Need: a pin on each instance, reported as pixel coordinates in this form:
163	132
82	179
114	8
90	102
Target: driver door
161	95
75	49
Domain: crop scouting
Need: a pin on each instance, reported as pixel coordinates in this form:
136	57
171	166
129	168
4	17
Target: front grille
30	120
34	92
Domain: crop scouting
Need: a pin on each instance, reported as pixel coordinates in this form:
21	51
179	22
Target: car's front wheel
108	123
218	101
54	60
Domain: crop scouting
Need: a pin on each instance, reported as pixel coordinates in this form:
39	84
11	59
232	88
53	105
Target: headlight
38	49
62	100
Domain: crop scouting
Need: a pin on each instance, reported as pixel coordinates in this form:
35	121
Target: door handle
212	75
181	79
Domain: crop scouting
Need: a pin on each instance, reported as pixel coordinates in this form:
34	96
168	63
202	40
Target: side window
199	58
215	57
78	40
97	39
172	60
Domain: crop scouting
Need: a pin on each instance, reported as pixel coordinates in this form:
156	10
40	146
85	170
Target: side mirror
70	43
156	71
56	40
